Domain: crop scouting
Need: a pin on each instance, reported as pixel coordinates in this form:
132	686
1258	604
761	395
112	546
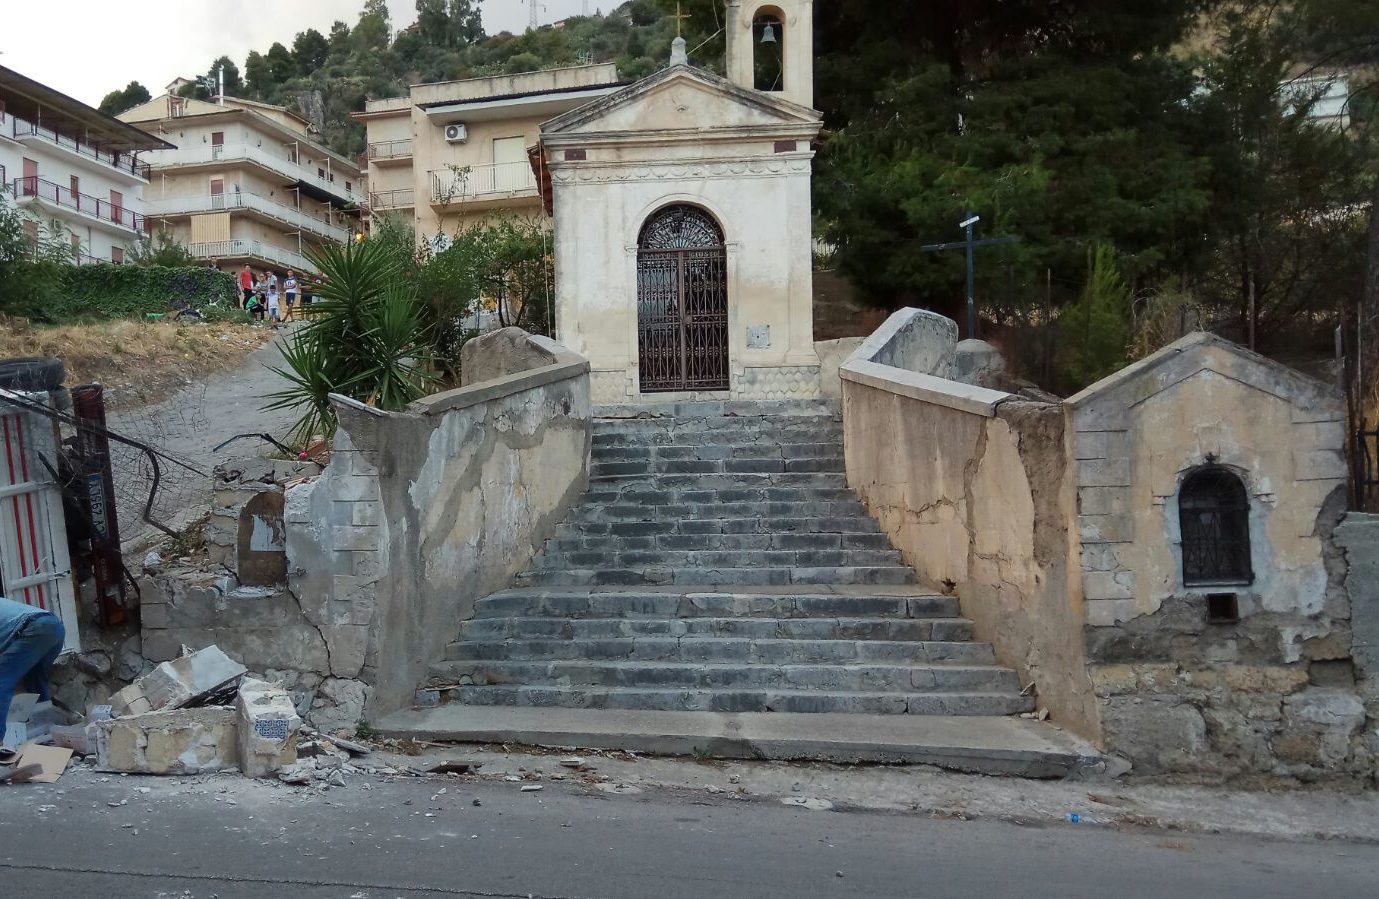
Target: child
260	298
290	290
273	299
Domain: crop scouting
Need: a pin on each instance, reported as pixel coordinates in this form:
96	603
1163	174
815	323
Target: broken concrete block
130	701
180	682
183	741
268	725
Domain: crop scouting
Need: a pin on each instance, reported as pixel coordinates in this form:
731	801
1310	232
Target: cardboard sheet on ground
52	762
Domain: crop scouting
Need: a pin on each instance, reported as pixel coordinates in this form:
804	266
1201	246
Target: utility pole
533	23
971	244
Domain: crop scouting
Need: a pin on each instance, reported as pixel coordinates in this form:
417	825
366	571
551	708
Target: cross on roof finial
679	17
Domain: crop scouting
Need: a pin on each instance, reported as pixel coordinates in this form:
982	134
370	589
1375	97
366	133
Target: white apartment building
73	170
453	152
247	182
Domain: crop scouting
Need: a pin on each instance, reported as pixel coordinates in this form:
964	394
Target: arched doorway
682	302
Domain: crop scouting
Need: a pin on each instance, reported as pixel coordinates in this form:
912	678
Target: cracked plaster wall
980	505
422	513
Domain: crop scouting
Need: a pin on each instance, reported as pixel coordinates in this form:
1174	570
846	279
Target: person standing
290	293
273	308
30	641
246	286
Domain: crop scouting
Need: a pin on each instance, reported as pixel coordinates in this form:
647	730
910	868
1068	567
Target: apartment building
247	182
73	170
456	151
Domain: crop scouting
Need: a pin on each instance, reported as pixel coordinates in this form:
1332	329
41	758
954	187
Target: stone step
688	603
725	536
611	468
710	648
662	453
936	636
691	559
611	492
623	434
694	675
621	483
692	409
996	746
731	700
703	507
719	577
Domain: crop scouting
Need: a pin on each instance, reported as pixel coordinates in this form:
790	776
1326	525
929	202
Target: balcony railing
103	210
391	149
124	162
250	249
403	198
330	181
476	182
198	203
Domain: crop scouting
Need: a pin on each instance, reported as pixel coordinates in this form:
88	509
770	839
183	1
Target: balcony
37	189
390	150
384	200
499	184
163	207
22	130
330	184
250	249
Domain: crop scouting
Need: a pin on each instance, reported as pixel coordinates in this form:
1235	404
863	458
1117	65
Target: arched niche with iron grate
1214	522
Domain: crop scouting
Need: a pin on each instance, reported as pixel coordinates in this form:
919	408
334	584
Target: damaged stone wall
972	486
1266	690
422	513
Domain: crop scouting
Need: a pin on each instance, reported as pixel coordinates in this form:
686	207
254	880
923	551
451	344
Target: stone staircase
719	563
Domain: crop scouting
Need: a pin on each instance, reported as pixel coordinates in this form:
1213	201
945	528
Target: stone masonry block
1319	465
1103	473
355	539
1103	500
353	488
1106	528
1319	435
183	741
173	684
366	513
1109	612
1108	584
268	725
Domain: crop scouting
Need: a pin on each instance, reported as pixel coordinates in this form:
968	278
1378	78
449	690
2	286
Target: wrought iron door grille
682	303
1214	517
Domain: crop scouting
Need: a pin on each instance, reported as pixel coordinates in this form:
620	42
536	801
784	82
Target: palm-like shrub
365	340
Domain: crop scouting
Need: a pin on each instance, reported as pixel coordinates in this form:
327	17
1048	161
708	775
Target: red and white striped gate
34	564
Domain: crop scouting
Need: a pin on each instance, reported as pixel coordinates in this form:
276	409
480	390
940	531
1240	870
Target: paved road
378	840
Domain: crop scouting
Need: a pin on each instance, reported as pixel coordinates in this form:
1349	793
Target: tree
1063	123
433	21
466	22
310	49
339	38
229	73
509	265
258	76
117	102
1094	331
374	27
161	248
282	66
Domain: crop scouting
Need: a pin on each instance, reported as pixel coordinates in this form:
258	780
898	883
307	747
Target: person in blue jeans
30	640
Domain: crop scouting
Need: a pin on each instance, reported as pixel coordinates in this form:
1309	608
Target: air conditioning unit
456	134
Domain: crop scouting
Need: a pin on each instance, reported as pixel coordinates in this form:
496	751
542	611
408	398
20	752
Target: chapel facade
683	228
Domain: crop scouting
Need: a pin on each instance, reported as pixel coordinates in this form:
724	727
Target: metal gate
35	567
682	302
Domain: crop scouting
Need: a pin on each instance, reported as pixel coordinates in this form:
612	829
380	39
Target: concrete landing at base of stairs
980	745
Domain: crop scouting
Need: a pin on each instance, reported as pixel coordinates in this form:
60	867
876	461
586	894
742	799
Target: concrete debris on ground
189	681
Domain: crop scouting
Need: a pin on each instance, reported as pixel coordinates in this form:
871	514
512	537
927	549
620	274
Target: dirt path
189	426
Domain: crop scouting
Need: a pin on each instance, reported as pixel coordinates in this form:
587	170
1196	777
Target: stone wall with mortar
974	488
424	512
1272	694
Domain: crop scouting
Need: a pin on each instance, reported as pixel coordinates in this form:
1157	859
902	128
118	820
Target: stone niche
1209	481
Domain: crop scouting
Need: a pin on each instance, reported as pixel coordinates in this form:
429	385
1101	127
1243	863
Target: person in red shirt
246	286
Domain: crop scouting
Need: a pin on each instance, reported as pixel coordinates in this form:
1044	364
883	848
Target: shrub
130	291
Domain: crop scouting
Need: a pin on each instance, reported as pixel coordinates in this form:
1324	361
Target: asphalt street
111	836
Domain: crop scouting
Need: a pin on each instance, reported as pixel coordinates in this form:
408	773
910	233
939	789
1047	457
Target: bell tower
771	47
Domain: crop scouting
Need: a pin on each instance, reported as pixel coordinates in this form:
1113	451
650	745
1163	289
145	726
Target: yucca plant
365	341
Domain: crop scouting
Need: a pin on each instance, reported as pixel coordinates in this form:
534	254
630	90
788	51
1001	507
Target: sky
88	48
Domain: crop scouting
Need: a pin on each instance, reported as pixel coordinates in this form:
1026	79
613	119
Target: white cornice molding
679	169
